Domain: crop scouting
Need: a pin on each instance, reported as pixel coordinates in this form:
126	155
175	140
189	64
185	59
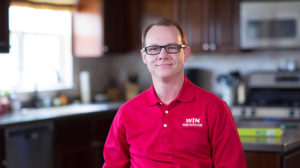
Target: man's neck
168	89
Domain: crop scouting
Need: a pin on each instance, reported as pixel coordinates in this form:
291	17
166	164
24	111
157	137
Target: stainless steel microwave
269	24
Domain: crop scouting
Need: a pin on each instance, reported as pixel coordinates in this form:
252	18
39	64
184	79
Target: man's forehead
163	35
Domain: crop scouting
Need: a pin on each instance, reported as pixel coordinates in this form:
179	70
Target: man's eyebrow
163	45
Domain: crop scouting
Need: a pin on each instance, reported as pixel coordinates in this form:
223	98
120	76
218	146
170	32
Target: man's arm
116	148
227	151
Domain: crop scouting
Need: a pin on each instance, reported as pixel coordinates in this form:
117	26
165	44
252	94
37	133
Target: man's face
165	65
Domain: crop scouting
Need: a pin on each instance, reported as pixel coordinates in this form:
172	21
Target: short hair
165	22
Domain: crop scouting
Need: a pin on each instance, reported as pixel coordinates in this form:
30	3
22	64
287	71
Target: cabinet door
224	25
211	25
263	159
193	15
73	143
121	25
79	142
114	25
2	152
152	10
101	26
88	29
291	160
79	154
4	31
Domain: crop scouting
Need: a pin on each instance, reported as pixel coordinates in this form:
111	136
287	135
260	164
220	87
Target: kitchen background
117	57
118	66
107	70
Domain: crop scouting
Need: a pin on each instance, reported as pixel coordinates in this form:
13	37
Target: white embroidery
192	122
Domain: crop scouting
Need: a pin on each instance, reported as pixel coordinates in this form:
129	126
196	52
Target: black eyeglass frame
165	47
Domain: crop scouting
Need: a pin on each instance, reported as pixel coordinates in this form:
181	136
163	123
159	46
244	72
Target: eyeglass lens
171	49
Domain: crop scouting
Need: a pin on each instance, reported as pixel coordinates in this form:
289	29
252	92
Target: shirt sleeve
116	148
226	147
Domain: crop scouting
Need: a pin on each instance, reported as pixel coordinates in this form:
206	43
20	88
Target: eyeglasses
170	49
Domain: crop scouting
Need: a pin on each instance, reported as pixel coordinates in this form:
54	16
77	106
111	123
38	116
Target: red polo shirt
195	130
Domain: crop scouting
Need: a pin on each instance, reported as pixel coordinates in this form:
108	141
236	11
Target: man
174	123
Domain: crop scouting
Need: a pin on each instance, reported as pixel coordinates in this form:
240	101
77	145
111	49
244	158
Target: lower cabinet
79	154
272	159
79	142
2	150
263	159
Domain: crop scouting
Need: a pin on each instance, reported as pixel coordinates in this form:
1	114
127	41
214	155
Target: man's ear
187	53
143	54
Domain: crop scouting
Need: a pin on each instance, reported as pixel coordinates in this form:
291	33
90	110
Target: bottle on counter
112	90
241	92
15	102
132	89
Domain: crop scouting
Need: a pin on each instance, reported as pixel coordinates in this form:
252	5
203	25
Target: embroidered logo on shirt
192	122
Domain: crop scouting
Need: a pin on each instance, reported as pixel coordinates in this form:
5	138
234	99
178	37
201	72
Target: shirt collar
186	93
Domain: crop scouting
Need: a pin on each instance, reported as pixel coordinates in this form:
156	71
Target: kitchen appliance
200	77
29	146
271	94
269	24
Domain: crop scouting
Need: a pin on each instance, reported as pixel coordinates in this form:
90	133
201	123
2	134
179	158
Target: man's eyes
174	47
153	48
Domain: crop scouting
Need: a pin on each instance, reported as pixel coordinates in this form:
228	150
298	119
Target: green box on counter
260	132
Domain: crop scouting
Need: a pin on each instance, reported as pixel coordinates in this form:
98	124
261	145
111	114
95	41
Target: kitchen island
276	152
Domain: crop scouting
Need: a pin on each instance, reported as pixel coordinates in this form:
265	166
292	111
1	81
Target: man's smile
164	65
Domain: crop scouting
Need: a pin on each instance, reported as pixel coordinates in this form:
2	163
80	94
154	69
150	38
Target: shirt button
166	112
165	125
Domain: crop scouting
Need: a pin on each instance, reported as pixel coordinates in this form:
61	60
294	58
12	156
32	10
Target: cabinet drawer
68	130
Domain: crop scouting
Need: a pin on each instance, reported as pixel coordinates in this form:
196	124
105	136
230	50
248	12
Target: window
40	55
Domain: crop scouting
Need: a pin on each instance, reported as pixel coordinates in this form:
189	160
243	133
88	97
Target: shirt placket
165	110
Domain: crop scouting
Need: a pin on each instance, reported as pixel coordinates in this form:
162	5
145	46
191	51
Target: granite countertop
27	115
289	140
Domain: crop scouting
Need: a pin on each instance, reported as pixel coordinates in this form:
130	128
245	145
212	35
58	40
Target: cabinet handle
96	144
212	47
205	47
4	163
106	48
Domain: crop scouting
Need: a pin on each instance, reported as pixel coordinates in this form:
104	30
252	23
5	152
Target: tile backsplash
119	66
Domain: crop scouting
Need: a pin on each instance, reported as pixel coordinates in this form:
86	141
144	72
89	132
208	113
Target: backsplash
119	66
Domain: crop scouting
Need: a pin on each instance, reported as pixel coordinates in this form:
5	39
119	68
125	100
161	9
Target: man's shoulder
207	96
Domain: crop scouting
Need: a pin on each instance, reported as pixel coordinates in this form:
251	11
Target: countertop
289	140
28	115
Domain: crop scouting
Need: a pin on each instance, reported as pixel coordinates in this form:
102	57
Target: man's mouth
164	65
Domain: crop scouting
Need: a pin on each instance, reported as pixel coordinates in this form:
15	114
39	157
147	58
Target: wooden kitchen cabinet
2	150
79	142
272	159
105	26
4	28
211	25
152	10
292	160
263	159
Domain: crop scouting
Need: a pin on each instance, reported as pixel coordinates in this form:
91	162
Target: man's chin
164	76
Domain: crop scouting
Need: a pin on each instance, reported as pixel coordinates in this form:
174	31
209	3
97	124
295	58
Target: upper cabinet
88	29
211	25
152	10
101	26
4	28
116	25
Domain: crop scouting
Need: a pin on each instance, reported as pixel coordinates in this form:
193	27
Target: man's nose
163	53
